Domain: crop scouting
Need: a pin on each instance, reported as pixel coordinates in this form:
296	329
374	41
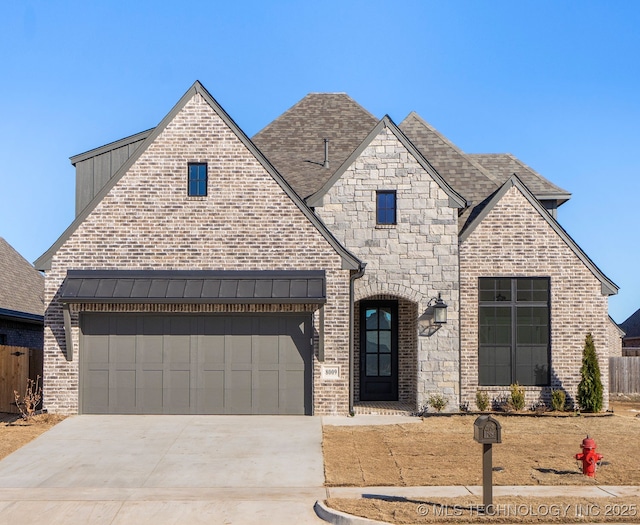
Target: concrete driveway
167	469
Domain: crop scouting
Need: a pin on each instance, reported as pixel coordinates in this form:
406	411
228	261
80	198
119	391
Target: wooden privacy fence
14	372
624	375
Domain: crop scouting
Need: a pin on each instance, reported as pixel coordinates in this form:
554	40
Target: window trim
513	304
395	207
197	181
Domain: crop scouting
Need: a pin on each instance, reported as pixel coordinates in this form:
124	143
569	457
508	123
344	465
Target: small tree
482	400
590	392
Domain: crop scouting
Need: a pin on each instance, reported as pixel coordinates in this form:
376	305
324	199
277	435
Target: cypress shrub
590	393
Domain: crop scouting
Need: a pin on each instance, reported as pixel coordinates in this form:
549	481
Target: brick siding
513	240
15	333
246	222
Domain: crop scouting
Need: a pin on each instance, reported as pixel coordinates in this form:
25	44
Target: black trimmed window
385	207
513	331
197	185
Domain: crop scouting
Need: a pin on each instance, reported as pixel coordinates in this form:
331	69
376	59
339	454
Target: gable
198	130
523	223
386	125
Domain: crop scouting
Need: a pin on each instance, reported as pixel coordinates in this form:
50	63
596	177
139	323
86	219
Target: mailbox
487	430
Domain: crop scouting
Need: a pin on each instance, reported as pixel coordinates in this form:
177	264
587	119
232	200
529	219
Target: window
386	207
3	339
197	180
513	331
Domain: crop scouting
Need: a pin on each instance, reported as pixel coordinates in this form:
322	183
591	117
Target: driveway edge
342	518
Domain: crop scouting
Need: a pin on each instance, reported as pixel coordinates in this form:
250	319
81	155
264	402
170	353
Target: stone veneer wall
513	240
414	259
246	222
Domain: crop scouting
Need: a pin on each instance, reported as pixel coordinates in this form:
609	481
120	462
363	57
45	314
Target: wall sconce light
439	310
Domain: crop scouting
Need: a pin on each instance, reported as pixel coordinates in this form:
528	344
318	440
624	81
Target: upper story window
513	331
197	185
385	207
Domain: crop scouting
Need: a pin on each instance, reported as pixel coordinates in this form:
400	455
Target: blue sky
556	83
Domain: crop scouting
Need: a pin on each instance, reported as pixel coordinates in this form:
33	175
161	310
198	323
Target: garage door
195	364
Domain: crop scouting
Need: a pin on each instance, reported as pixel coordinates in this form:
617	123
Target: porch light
439	310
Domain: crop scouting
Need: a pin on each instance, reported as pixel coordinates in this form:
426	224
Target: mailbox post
487	431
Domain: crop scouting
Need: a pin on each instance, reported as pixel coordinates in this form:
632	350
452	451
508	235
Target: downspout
352	279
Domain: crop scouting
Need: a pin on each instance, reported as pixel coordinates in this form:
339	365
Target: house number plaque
330	372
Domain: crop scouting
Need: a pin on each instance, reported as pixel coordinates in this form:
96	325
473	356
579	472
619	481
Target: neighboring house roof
21	286
502	165
350	261
456	200
294	142
608	286
631	326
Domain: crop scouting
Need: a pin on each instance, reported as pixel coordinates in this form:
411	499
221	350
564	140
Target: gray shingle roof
631	326
21	285
462	173
503	165
294	142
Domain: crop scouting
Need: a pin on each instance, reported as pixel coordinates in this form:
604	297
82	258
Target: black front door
378	351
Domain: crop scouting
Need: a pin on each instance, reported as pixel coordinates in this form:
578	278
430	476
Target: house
306	270
21	325
631	329
21	300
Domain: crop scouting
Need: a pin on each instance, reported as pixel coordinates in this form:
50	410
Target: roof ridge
307	96
475	164
524	165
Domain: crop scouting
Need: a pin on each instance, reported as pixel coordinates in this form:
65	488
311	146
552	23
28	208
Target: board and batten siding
93	171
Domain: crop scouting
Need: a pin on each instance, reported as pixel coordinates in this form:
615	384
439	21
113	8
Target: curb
342	518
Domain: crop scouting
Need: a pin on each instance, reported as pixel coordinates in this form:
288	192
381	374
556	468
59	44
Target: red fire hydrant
589	457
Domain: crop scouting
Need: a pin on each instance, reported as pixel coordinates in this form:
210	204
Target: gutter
352	279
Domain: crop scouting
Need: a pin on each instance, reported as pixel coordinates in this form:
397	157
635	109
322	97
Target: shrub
558	400
482	400
517	397
590	392
438	402
32	396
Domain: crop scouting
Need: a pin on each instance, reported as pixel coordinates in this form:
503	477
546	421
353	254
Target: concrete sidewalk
456	491
422	496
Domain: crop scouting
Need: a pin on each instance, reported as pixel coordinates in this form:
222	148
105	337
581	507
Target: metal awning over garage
194	286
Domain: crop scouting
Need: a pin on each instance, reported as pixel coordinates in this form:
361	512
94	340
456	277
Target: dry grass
505	510
441	451
16	432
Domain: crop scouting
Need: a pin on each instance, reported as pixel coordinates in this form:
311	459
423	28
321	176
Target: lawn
16	432
441	451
